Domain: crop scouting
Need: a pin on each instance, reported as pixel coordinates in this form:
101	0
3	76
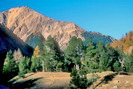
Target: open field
60	80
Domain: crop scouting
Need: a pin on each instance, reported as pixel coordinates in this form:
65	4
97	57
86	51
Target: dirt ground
60	80
113	80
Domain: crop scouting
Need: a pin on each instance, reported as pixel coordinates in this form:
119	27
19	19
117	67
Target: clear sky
109	17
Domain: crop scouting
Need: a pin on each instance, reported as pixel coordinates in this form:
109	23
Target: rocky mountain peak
23	8
30	26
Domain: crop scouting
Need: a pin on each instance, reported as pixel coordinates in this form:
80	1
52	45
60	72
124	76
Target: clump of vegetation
24	66
125	43
10	68
100	58
49	59
80	80
73	54
128	64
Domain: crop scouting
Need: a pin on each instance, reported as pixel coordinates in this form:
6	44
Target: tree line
90	58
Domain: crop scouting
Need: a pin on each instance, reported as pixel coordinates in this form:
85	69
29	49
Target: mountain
125	43
34	28
9	41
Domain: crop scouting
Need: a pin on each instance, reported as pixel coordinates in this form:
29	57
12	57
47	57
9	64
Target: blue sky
109	17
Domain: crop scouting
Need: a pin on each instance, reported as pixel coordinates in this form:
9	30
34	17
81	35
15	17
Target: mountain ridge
25	22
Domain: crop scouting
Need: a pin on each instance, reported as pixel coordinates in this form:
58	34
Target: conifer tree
36	64
51	55
73	53
128	64
91	61
113	57
10	68
24	66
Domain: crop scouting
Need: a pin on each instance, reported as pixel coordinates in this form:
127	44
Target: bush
80	81
117	66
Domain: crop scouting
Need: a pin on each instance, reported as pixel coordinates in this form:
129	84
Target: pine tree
104	63
91	61
117	66
113	56
79	79
99	49
51	55
24	66
128	64
36	64
73	54
109	59
10	68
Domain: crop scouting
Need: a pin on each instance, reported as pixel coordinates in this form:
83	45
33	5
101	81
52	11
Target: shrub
80	81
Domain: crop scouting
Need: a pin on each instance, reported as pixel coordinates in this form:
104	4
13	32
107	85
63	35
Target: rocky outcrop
31	26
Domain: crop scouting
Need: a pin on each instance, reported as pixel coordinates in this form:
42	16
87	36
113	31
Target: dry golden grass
60	80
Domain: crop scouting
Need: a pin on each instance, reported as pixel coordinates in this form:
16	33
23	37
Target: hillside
60	80
34	28
9	41
125	43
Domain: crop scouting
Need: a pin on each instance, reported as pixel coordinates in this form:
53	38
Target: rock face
33	27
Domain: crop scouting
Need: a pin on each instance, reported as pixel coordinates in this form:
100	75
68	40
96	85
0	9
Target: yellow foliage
125	43
36	51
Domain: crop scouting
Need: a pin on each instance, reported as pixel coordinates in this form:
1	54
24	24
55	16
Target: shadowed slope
9	41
